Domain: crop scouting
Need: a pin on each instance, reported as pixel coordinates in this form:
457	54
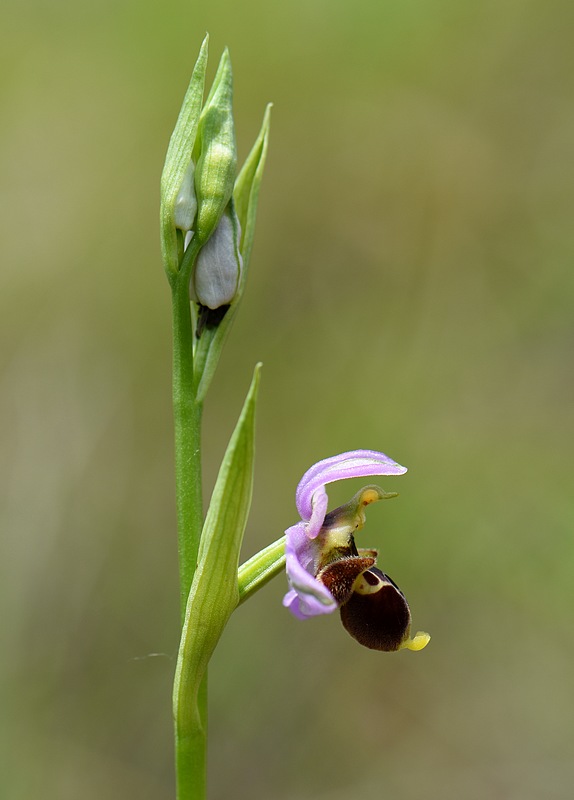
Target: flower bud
217	273
185	207
216	152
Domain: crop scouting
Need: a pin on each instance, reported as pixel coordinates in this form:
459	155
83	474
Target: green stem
187	420
191	747
260	568
190	719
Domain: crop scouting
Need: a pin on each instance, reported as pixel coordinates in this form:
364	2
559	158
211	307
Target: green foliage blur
411	289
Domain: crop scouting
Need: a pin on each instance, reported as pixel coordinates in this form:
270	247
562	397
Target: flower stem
260	568
187	421
190	719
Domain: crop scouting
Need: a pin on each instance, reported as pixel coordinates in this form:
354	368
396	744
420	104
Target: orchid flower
325	569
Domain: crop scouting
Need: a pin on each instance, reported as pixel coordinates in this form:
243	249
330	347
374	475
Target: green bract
246	192
177	161
214	592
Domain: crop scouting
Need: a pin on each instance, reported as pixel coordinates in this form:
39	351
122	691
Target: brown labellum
377	614
340	575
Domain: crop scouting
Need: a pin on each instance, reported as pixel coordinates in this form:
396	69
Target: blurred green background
411	290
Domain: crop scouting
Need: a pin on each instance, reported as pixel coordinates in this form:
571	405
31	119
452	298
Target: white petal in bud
218	267
187	240
186	201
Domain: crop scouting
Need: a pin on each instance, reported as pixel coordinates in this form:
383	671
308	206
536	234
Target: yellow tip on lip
419	642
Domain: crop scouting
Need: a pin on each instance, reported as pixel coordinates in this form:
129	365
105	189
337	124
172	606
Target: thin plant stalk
199	190
190	722
187	422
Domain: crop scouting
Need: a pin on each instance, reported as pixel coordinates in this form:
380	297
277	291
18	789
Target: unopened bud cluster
204	207
200	174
